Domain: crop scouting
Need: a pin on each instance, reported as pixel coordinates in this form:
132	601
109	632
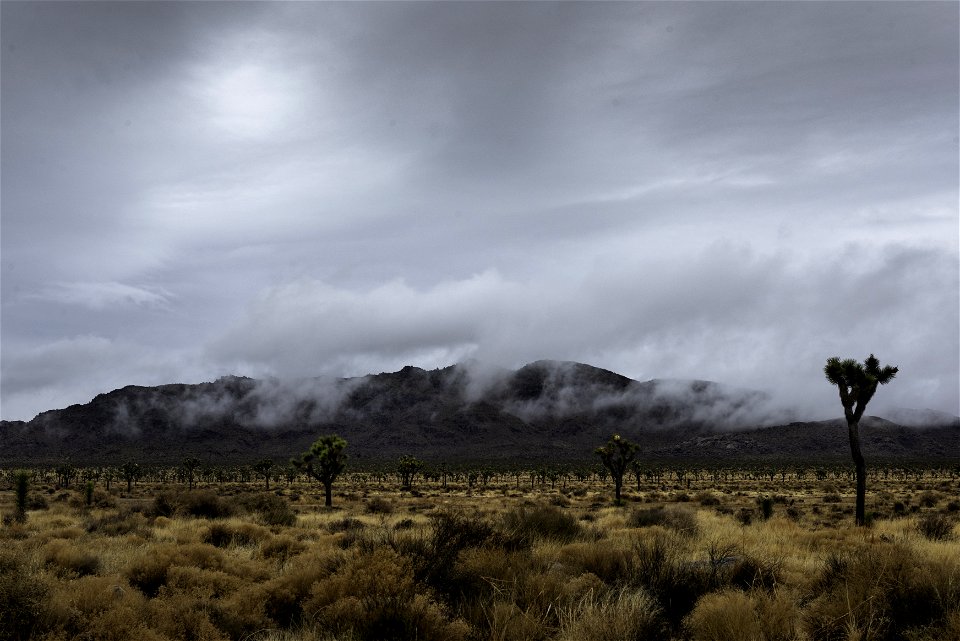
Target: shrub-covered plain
500	556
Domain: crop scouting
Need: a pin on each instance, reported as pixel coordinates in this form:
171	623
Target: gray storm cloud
721	191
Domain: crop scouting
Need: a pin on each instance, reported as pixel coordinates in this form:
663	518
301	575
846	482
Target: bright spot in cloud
249	100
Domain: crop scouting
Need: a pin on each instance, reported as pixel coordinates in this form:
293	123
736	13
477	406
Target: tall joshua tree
324	461
857	383
616	456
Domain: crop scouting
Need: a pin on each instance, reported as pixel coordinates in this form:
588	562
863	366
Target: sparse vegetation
482	558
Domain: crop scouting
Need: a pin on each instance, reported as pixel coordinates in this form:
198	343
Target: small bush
722	616
271	508
832	497
68	560
119	523
707	499
887	590
198	503
936	527
222	535
678	520
766	507
379	505
543	522
624	614
23	597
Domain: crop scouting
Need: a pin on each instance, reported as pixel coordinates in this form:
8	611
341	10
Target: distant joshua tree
263	468
857	383
324	461
190	466
407	468
616	456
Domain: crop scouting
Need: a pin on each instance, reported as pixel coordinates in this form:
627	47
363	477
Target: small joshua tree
130	472
407	468
21	483
616	456
263	468
857	383
324	461
190	466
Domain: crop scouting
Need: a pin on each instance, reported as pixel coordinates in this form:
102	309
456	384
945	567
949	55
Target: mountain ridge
546	410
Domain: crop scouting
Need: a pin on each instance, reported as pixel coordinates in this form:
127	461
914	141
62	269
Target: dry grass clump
23	596
69	560
677	519
374	596
618	615
936	527
543	522
883	591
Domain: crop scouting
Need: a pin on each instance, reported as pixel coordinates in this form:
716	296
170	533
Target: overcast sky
720	191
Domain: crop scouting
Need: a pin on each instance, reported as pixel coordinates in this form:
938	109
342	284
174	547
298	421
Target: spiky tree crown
857	382
325	458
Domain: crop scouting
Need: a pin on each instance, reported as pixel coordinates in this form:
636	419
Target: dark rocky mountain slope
545	411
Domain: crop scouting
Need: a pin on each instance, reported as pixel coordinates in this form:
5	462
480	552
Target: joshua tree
616	456
857	383
21	483
324	461
190	466
407	468
130	472
263	467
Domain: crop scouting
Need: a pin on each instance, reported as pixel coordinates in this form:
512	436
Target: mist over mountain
546	410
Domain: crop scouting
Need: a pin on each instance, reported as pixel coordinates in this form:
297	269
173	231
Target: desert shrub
616	616
936	527
222	535
204	504
885	591
676	519
199	503
281	547
832	497
345	524
929	498
614	565
379	505
180	616
725	615
70	560
150	572
200	583
23	597
119	523
542	522
281	598
270	508
707	499
745	516
766	507
37	501
374	596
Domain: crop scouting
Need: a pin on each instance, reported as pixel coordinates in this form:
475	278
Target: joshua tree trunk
853	429
328	493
